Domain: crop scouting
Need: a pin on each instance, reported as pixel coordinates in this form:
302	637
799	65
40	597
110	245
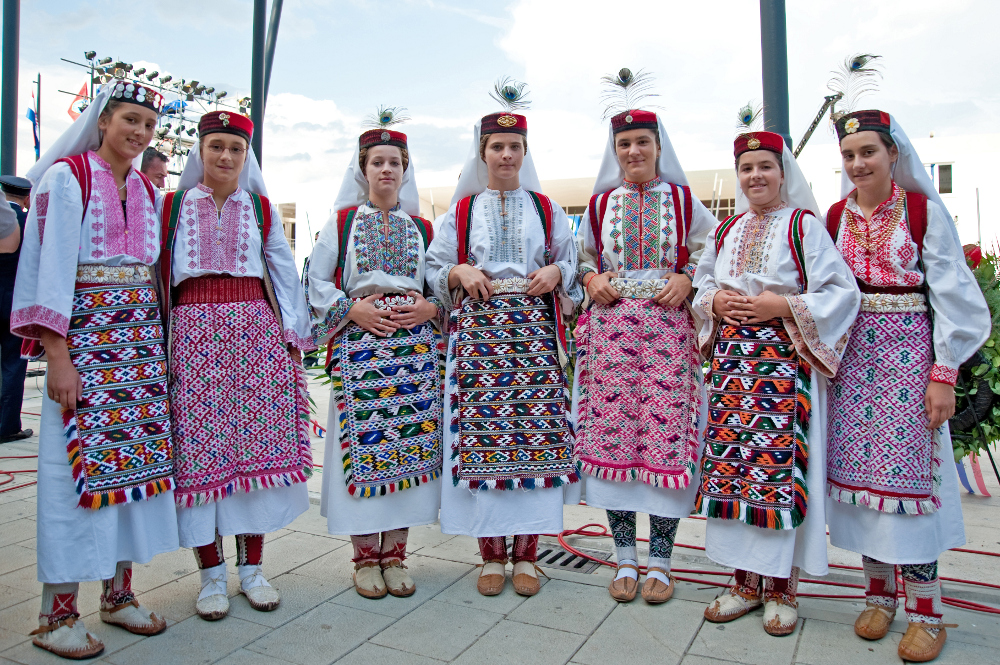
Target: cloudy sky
337	60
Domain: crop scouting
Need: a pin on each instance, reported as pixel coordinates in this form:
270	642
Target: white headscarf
354	188
251	179
795	191
82	135
909	172
668	167
475	176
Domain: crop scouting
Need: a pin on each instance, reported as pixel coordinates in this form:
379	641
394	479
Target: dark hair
363	157
486	137
149	155
777	157
886	139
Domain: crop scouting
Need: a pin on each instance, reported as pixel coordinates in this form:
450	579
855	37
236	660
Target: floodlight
209	90
166	79
221	94
139	72
192	131
152	75
90	55
104	61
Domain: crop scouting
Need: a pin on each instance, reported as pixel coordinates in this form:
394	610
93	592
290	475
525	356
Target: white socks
251	577
627	572
213	581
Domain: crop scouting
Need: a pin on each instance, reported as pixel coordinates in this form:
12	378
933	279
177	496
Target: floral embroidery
942	374
117	232
333	318
41	204
216	243
28	322
754	244
441	288
805	336
892	263
391	245
689	270
641	227
301	343
506	234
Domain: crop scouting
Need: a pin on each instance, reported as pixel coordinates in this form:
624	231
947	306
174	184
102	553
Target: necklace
863	236
123	186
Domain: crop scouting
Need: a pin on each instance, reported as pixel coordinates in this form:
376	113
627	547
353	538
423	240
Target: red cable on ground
601	531
11	474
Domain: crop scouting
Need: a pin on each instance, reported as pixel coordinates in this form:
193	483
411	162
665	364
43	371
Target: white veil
251	179
82	135
475	176
795	191
354	188
668	167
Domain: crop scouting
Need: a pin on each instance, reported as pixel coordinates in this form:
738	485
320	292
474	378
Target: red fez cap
634	119
862	121
225	122
375	137
504	123
758	141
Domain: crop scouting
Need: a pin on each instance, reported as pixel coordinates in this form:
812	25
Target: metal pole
257	77
38	112
272	38
8	99
774	67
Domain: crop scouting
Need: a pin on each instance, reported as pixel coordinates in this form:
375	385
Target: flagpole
38	116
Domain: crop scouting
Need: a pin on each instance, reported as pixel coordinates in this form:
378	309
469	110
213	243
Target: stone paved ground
572	620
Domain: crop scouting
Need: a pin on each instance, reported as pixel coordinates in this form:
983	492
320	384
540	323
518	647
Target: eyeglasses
219	149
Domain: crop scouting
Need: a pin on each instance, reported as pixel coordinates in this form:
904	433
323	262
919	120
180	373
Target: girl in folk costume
775	303
638	398
504	261
86	289
365	289
238	325
893	490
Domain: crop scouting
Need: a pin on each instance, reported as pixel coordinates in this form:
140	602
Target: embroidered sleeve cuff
29	322
570	283
444	293
300	343
689	270
704	303
943	374
442	313
331	322
805	336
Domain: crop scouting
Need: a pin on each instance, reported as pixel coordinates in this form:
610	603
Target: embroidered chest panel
114	232
753	247
877	254
386	242
217	242
506	230
643	231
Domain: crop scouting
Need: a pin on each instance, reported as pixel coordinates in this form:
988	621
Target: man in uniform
13	368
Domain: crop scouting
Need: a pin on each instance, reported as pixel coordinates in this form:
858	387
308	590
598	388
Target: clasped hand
737	309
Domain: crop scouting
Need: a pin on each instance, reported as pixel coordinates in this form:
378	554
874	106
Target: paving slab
192	641
437	630
115	639
321	635
691	659
638	631
294	548
299	594
13	557
514	642
15	531
373	654
465	594
574	608
463	549
426	535
12	596
334	566
16	510
744	641
431	576
164	568
11	638
247	657
24	579
826	643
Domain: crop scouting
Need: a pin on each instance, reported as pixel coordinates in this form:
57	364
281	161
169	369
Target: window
944	179
727	207
575	210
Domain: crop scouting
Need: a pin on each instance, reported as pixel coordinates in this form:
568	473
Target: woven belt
637	289
510	285
219	289
94	273
884	303
389	301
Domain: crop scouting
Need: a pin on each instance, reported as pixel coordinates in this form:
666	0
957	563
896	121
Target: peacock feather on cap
387	116
625	90
856	77
750	118
511	93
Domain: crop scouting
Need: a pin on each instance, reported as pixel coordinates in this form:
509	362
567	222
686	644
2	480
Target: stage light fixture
166	79
90	55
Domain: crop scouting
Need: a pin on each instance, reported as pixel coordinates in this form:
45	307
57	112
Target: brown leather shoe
874	622
654	591
731	605
624	589
368	581
919	646
491	578
525	578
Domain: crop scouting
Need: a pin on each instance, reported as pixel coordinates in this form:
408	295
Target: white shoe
780	618
262	596
368	581
68	638
398	581
134	618
213	601
730	606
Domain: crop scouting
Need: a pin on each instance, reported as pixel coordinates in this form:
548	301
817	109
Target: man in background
12	367
154	167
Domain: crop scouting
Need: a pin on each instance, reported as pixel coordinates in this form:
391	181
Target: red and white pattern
808	343
923	601
366	548
28	322
944	374
880	583
639	393
641	220
892	263
112	231
239	403
880	449
41	204
216	242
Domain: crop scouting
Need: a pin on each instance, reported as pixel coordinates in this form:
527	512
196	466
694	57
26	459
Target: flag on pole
79	103
34	130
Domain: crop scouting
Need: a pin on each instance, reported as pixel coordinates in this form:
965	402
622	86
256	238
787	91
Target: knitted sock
662	531
746	584
783	588
366	550
249	549
213	581
393	546
493	549
118	589
880	583
622	524
923	594
210	556
58	603
525	548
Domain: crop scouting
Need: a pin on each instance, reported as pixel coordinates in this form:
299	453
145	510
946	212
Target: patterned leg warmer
880	583
622	524
783	588
393	546
58	603
746	584
366	549
493	549
525	548
249	549
662	531
923	594
118	589
210	556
